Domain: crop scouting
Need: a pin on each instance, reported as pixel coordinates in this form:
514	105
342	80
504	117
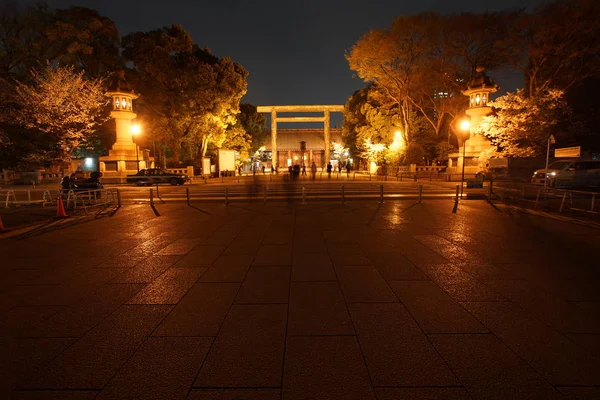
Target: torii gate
326	109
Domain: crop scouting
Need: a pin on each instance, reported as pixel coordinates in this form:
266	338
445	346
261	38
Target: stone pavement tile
434	310
490	370
149	247
580	392
76	320
325	367
363	284
419	254
449	393
76	289
396	351
279	236
22	357
54	395
460	285
235	394
147	269
18	320
265	285
561	315
339	236
318	308
13	277
590	342
95	358
57	274
201	311
201	256
347	254
273	255
228	268
555	357
393	266
219	238
303	245
162	368
251	359
170	287
243	246
19	294
312	267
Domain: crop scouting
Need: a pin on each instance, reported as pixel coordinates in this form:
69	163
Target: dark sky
294	51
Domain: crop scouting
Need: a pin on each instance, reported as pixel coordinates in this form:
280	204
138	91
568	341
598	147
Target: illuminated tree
196	92
63	105
522	125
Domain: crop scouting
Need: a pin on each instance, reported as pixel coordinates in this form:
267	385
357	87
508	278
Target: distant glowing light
88	162
465	124
136	129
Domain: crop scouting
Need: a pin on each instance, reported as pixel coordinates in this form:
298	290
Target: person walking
263	169
303	170
313	170
329	168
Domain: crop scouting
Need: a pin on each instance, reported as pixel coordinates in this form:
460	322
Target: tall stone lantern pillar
478	90
122	157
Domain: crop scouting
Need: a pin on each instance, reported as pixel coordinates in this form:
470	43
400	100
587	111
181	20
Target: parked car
569	173
153	176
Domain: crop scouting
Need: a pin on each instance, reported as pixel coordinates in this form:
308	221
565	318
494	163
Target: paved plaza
302	301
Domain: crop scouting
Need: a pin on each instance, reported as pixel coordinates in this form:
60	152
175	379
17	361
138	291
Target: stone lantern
479	89
122	158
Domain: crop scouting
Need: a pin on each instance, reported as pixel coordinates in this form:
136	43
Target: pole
152	197
420	192
546	171
462	179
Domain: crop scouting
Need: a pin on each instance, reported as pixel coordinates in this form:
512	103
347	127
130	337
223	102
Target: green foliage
190	92
443	149
253	123
415	154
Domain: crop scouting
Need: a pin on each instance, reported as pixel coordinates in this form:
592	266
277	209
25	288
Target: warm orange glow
136	129
465	124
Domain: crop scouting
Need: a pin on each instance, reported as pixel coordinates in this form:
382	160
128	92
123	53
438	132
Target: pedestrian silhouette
329	168
313	170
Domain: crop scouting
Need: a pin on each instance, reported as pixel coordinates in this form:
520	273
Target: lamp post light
465	125
136	130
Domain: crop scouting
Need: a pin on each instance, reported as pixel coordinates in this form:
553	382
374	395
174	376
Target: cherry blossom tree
63	105
521	125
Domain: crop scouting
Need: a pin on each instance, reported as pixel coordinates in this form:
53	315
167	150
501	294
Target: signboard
226	160
206	166
568	152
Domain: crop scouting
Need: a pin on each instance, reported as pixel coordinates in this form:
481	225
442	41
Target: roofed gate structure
282	158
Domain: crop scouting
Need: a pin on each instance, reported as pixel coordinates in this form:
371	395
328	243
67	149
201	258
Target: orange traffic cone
1	225
60	209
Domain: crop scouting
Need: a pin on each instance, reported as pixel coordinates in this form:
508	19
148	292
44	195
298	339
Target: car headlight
552	173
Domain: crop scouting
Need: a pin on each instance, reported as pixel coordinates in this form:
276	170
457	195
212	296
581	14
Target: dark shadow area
155	210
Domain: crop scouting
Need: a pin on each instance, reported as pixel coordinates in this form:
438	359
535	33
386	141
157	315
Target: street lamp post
135	130
464	126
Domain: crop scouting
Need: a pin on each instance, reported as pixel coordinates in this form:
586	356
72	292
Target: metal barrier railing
286	192
550	199
25	197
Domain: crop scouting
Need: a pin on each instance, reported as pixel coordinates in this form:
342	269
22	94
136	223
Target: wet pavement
293	301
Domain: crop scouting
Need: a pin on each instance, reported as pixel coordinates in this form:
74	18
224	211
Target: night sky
294	51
